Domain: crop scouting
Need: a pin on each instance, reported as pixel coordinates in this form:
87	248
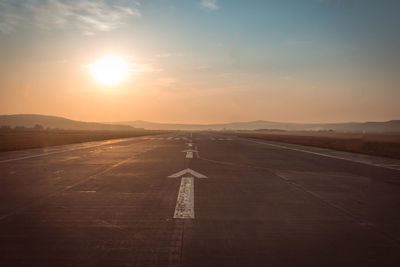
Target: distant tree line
36	127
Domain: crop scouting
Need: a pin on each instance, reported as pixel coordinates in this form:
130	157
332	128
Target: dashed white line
189	153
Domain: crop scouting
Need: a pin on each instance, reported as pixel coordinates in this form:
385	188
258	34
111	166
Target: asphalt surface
111	203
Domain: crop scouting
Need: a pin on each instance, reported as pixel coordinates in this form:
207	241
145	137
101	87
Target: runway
197	199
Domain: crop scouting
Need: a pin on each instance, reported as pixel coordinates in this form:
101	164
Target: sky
203	61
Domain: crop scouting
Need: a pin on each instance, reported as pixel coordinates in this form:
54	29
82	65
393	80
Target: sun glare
110	70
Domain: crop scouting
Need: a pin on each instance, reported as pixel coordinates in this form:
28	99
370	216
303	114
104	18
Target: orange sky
200	61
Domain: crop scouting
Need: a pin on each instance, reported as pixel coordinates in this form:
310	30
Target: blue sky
287	60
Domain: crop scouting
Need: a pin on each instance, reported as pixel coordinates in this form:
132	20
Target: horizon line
203	124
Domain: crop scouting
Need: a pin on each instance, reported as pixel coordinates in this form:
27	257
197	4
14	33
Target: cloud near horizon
89	17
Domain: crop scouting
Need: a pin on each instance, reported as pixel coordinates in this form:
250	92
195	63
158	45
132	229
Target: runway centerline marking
189	153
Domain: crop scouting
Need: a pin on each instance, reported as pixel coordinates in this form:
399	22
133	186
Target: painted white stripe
185	203
189	155
190	144
169	138
326	155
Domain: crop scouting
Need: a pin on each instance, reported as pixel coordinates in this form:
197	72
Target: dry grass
386	145
23	139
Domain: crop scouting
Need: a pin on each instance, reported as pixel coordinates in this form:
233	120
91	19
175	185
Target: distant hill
388	126
30	120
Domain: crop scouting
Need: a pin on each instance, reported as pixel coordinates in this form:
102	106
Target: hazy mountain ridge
30	120
387	126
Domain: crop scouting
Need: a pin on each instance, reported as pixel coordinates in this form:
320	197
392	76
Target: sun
109	70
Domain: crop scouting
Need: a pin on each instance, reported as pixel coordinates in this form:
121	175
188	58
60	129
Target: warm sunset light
199	133
110	70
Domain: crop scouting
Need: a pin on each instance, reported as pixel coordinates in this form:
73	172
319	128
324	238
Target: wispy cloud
9	19
90	17
8	22
209	4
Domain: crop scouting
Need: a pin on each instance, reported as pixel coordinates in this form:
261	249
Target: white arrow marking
185	203
185	171
190	144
